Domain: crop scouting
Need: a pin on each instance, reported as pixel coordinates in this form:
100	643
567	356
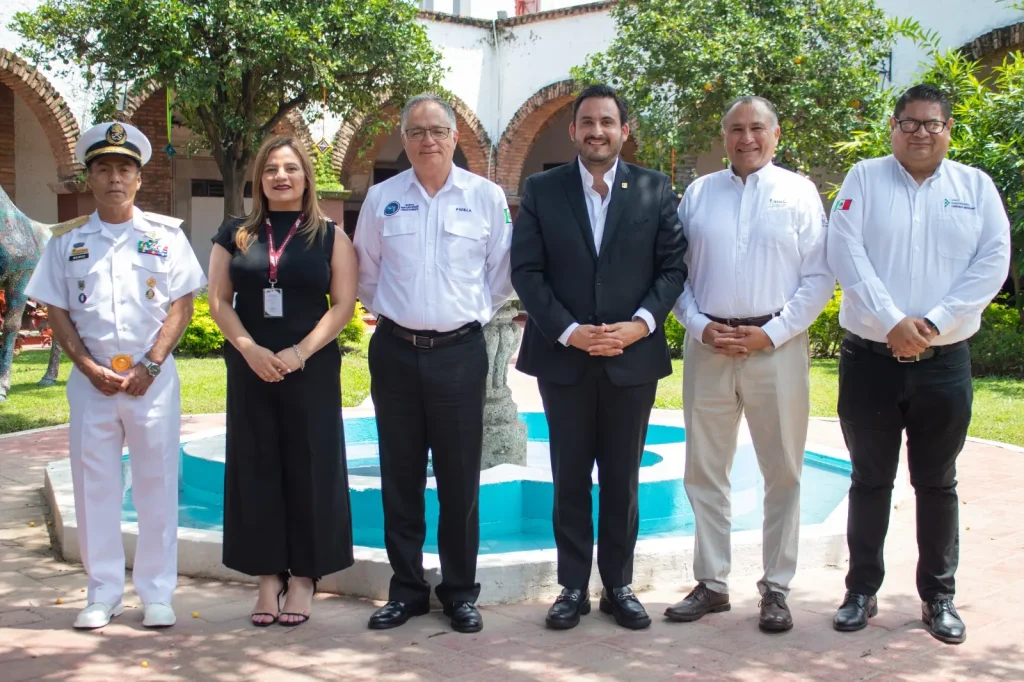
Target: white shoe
97	614
159	616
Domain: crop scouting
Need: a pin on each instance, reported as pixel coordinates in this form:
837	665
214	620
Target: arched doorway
32	110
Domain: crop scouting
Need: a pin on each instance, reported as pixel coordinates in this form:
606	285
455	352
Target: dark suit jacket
561	279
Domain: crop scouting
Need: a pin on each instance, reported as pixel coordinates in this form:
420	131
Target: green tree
679	62
236	68
988	132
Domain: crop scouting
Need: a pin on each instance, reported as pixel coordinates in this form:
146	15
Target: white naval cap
113	138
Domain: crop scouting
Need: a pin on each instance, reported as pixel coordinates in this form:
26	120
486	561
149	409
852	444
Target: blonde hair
315	225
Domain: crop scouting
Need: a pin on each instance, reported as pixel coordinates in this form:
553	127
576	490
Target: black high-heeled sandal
304	617
273	617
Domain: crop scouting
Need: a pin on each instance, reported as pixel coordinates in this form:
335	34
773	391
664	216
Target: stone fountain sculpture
21	245
504	433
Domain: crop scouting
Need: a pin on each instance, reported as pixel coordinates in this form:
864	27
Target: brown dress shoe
775	615
702	600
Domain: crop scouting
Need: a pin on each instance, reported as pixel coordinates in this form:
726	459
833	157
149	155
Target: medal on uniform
81	298
81	285
150	294
151	282
273	298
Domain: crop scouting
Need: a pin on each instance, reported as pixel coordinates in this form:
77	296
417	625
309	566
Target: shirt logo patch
508	216
410	207
152	248
842	205
463	210
777	203
956	203
78	245
391	209
79	254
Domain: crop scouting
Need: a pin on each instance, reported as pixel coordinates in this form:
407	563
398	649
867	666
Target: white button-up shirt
434	263
754	248
940	250
597	211
118	286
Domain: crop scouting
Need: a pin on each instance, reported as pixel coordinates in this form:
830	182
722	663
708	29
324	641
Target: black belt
744	321
427	339
882	349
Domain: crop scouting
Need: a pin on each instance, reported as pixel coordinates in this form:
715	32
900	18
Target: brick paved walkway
36	641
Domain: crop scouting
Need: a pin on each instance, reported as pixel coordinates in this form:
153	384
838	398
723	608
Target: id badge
273	303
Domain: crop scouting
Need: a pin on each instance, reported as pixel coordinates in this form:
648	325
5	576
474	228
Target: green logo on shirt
508	216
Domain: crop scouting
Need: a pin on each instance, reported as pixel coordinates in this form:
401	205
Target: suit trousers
430	400
772	388
595	421
100	426
931	399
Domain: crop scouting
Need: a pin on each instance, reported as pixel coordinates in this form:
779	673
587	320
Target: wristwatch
151	367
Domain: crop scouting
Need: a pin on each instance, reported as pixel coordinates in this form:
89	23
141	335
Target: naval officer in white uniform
119	286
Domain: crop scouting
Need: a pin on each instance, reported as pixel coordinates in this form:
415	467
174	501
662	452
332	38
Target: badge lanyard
273	300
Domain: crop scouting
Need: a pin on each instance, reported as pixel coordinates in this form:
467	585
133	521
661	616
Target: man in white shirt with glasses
920	245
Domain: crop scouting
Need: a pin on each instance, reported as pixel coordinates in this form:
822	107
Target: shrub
825	334
675	334
998	347
202	337
352	333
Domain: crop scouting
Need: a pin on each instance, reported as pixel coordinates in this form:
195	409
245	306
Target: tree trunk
1018	295
233	173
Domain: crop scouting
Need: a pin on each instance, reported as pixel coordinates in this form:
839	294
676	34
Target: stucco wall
34	168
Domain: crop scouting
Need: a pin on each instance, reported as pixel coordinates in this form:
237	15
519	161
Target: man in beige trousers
758	278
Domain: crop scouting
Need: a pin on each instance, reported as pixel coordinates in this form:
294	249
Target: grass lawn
203	385
998	403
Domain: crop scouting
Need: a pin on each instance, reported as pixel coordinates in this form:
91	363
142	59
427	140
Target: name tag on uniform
273	303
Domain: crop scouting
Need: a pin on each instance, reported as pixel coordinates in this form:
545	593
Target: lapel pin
625	185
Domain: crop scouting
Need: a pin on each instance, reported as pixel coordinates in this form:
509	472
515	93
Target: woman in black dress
286	504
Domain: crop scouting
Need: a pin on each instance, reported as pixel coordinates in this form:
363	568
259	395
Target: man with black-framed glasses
433	245
920	245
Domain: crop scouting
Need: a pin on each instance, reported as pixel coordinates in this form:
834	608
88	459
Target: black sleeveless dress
286	502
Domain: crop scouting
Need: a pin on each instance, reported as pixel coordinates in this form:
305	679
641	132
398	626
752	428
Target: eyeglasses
420	134
912	125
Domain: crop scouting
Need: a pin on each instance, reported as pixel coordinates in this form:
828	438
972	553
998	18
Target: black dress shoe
943	621
621	603
855	611
395	613
464	617
775	615
700	602
568	607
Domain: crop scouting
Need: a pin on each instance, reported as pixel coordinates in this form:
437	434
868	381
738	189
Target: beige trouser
772	387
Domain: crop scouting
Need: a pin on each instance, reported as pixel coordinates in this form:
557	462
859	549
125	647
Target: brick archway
994	45
49	108
522	130
351	139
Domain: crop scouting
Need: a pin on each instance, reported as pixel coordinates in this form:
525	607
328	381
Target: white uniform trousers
772	387
151	425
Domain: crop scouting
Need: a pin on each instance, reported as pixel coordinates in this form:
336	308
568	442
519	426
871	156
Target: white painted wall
957	22
207	216
34	166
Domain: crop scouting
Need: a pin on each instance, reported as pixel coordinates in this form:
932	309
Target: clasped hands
269	366
737	342
108	382
607	340
910	337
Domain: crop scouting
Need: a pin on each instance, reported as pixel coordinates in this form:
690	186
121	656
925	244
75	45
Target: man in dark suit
597	260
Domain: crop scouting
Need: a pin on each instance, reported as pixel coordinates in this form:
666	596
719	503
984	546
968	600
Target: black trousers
430	399
931	399
596	421
286	503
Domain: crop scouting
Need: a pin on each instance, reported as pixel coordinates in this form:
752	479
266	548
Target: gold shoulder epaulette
166	221
68	225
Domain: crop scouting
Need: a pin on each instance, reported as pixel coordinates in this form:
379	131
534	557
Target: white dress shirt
754	248
940	250
434	263
118	284
597	211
